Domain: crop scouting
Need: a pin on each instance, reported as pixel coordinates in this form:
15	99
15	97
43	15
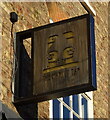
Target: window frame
89	99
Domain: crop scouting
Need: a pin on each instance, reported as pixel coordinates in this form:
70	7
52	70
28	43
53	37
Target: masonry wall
37	14
30	15
101	26
109	57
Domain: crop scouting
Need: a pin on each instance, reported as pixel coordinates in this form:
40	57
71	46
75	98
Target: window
74	106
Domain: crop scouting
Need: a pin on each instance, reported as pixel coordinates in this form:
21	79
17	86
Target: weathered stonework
30	15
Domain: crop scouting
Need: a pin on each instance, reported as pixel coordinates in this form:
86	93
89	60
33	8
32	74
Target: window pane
75	105
84	108
66	112
56	109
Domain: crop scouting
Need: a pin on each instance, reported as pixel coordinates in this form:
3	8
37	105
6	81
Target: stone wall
30	15
101	33
109	58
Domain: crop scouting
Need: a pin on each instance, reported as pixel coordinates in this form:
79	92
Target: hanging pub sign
63	60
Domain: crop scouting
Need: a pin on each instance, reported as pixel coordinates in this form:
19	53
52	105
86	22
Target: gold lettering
69	51
52	56
60	67
68	55
52	40
69	36
52	59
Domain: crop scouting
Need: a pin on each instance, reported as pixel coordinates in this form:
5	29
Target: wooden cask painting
62	59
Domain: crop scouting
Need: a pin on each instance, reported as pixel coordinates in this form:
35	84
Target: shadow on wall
28	111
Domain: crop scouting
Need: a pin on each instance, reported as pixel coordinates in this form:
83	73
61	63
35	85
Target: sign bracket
88	7
32	82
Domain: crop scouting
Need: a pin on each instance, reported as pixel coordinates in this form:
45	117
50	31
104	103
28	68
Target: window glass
66	112
75	105
56	109
84	108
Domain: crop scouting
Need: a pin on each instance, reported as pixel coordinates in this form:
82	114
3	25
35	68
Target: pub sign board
63	59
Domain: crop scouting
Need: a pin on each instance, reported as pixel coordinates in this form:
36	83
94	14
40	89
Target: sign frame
18	83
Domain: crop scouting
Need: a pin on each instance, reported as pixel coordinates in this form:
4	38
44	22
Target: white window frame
88	96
